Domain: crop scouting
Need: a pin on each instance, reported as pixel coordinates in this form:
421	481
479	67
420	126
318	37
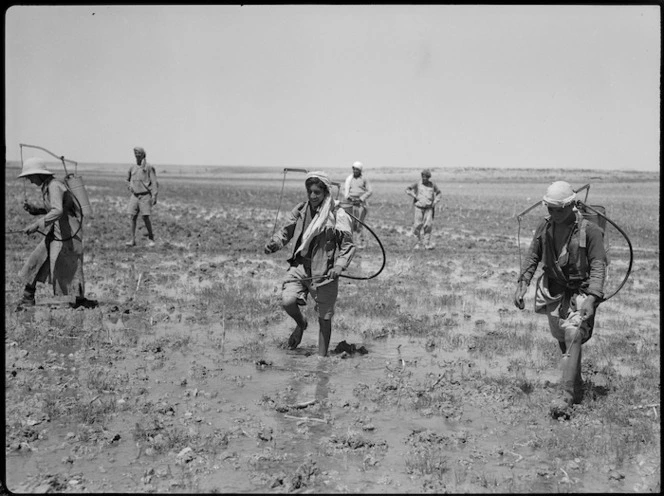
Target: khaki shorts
563	313
297	290
140	204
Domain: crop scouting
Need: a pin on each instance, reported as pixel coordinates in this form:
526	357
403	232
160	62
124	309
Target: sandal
296	336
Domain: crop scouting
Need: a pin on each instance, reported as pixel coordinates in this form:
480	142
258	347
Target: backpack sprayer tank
77	188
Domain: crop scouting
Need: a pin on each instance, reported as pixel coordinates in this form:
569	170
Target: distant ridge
406	175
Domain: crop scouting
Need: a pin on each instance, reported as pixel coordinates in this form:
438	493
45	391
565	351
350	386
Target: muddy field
180	381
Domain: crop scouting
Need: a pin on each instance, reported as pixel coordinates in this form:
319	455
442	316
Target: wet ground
181	382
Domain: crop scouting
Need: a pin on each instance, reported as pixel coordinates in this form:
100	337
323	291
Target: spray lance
338	185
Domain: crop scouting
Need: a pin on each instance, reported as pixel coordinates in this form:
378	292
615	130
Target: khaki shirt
143	179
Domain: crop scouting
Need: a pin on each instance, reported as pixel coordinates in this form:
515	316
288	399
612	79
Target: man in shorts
142	183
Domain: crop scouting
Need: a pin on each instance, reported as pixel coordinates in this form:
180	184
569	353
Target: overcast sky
323	86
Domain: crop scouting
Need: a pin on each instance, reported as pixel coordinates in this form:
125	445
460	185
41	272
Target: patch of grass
429	461
94	411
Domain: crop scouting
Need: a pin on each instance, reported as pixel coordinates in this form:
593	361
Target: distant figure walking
356	192
143	185
571	250
58	258
322	250
426	196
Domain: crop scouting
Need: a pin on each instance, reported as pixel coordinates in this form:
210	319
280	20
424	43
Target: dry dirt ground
180	380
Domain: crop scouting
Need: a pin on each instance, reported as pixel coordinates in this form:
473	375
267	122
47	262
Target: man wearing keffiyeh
322	250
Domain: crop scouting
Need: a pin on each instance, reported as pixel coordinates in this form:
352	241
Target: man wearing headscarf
323	249
426	196
571	250
143	186
58	258
357	191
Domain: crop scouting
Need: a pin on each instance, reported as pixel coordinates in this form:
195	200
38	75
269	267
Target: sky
315	86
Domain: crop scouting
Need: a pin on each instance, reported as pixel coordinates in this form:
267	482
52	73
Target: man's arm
368	191
128	179
346	247
534	256
284	235
412	190
596	260
154	184
56	194
437	195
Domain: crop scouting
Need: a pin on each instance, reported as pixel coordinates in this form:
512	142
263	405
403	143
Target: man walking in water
571	250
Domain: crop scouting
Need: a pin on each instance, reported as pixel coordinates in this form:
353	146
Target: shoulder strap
583	251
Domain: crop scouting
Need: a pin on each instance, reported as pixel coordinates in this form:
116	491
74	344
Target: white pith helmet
358	165
559	194
34	165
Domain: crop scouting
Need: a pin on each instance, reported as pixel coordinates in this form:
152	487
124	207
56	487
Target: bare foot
296	336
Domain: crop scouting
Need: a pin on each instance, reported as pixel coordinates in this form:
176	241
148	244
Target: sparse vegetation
180	380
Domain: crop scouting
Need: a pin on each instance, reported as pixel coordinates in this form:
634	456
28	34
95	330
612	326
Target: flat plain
180	380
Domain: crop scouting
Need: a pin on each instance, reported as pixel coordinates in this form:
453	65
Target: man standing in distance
142	183
426	196
356	192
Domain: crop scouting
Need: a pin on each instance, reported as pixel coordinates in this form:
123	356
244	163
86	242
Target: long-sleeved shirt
426	195
333	247
58	204
143	179
357	188
585	268
59	254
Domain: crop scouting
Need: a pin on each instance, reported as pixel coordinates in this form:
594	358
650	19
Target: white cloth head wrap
324	217
559	194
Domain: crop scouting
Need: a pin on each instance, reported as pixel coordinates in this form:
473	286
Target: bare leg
324	335
148	226
571	381
132	241
293	310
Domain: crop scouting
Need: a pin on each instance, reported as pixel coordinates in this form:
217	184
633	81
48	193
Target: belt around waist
142	194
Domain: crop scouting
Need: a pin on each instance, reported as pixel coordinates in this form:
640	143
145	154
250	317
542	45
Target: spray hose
358	278
585	206
380	244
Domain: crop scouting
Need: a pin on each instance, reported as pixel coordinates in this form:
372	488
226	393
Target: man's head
318	186
559	199
357	169
139	153
426	175
34	170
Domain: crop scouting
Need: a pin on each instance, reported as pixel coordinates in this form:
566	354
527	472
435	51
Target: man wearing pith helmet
571	250
58	257
357	191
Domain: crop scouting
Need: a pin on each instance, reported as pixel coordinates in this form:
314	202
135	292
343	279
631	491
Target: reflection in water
322	382
300	377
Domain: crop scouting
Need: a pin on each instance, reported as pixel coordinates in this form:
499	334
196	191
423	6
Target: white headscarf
323	218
